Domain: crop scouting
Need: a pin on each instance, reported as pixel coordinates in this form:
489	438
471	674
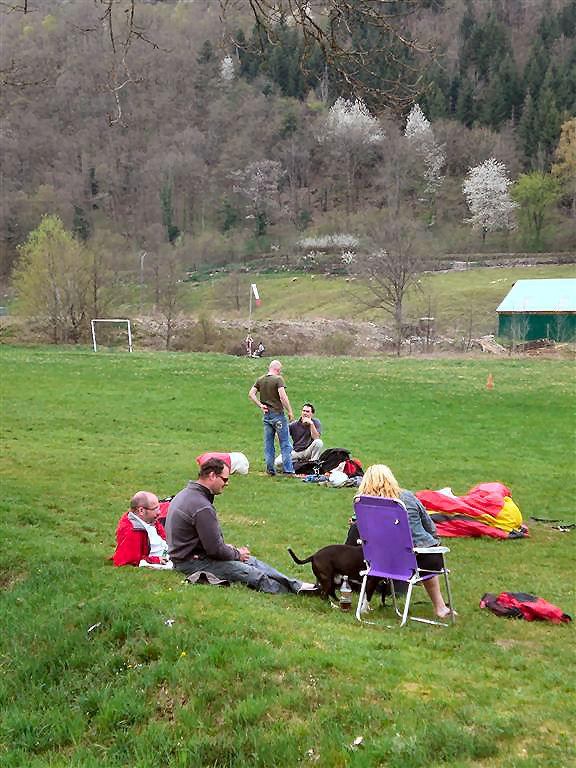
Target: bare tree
233	291
397	169
122	26
519	327
169	288
258	183
392	268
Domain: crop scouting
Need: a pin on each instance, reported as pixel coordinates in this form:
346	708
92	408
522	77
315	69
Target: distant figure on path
196	542
269	394
305	434
259	351
139	535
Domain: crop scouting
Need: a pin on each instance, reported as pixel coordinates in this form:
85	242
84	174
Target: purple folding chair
390	553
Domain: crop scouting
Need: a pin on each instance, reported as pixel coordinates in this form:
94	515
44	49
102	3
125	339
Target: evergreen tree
468	31
207	54
206	74
536	68
283	64
512	87
503	96
493	107
249	61
548	29
289	124
93	186
567	19
548	123
229	216
564	83
453	92
465	104
436	102
436	99
172	231
80	224
527	128
486	45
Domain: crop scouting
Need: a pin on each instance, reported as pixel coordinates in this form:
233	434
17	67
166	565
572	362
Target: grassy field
246	679
458	300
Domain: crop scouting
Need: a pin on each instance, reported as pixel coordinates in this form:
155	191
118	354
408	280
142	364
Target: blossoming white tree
351	132
227	73
419	133
351	121
486	191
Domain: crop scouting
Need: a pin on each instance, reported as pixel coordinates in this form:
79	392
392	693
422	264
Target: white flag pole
250	315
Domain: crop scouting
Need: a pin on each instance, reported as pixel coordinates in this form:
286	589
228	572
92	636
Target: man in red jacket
139	536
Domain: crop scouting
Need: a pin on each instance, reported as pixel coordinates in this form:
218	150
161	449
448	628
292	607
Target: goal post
110	320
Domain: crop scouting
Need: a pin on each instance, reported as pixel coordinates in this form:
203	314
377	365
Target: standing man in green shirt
269	394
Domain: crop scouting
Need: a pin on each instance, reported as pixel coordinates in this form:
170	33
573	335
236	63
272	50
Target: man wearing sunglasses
196	542
140	538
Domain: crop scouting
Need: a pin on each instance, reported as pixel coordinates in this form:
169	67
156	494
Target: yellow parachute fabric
509	518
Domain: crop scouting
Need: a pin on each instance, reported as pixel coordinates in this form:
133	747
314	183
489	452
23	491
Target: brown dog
331	563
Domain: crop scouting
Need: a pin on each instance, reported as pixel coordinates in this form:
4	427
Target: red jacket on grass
132	545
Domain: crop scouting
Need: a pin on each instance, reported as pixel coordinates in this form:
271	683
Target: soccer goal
114	321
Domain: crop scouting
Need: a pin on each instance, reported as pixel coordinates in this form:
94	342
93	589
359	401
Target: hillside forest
147	144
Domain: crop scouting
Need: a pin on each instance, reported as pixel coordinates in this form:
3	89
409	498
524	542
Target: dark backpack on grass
327	461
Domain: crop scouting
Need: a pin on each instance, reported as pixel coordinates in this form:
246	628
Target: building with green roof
539	309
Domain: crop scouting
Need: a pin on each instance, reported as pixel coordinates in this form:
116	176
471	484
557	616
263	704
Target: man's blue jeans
255	574
277	424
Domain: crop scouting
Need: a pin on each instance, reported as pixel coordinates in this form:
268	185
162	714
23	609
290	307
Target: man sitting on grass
196	543
140	538
305	433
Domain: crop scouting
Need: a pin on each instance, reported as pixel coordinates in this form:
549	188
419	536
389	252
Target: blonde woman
378	480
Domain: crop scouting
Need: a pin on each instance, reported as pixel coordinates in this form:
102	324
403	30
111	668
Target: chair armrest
430	550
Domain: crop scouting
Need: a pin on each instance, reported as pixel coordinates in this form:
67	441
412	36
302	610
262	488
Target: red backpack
353	468
521	605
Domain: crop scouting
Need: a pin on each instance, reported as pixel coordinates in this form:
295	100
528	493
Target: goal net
112	333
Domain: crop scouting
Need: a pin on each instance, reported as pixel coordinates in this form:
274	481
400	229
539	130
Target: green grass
246	679
455	299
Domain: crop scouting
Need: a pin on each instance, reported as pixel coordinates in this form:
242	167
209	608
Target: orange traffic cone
490	382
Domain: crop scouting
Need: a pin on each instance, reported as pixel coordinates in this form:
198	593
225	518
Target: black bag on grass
326	462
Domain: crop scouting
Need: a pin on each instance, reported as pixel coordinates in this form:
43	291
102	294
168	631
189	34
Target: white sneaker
309	588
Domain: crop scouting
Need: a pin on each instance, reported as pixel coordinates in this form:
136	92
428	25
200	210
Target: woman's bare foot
443	613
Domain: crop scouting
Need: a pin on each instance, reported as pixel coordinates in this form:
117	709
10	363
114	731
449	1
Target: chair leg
361	598
393	596
449	594
407	604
